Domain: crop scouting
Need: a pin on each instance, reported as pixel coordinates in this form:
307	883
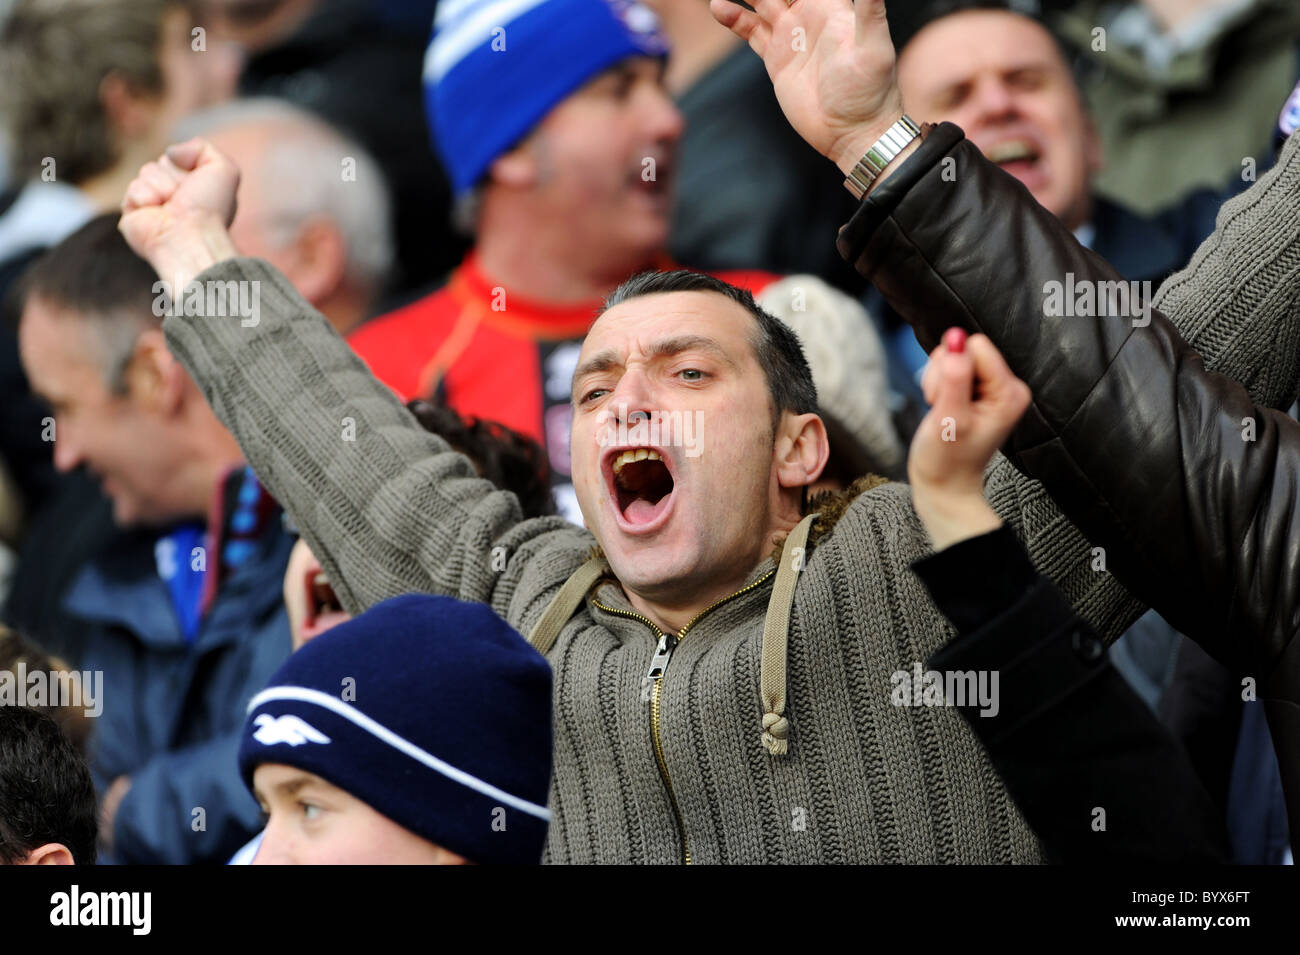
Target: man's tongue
642	511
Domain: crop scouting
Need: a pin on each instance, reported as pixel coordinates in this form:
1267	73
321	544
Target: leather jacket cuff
881	201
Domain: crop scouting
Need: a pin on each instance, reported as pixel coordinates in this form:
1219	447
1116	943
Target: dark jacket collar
121	588
1141	249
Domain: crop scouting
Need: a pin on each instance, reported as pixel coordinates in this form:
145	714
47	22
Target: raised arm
386	507
1178	472
1141	444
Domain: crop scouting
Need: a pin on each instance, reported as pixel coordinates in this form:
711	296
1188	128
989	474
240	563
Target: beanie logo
272	730
641	21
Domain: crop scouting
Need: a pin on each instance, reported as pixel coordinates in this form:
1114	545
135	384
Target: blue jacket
172	712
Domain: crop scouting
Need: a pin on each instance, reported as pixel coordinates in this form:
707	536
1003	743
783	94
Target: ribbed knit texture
393	510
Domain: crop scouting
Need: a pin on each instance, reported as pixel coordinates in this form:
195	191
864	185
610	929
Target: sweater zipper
658	663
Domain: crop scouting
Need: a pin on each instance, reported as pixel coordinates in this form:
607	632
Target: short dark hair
777	347
510	460
46	793
922	15
94	273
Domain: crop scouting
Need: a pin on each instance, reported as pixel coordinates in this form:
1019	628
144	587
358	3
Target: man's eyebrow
291	786
667	347
601	361
664	348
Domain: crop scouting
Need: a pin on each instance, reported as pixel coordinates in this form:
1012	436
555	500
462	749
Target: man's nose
273	850
632	394
663	121
993	100
67	452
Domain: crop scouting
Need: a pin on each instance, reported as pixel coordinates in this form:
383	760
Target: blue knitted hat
432	711
495	68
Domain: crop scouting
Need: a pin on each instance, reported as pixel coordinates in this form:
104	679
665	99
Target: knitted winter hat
495	68
848	367
432	711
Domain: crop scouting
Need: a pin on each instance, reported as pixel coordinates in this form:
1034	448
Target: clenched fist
975	403
176	211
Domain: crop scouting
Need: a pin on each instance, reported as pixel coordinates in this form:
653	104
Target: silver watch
880	155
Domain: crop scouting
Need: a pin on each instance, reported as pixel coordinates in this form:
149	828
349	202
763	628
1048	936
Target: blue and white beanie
432	711
495	68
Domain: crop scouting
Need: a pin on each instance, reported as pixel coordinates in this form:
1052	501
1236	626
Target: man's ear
52	853
802	449
320	259
518	168
129	112
154	378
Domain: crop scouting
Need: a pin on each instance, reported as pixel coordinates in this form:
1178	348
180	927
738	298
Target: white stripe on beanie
449	10
458	39
400	743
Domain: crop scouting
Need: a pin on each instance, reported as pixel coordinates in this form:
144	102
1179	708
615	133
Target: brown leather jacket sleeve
1190	484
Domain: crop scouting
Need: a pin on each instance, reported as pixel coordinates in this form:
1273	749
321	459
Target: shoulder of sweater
871	513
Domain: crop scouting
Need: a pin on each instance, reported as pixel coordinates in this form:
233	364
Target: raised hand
176	211
975	403
832	65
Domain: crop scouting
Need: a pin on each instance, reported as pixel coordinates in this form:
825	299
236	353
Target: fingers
870	13
163	180
744	23
140	194
870	23
186	155
953	377
768	10
998	384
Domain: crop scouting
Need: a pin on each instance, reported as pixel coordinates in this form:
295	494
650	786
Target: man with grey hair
88	88
312	202
181	609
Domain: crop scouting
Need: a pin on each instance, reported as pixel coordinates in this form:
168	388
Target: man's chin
649	569
124	515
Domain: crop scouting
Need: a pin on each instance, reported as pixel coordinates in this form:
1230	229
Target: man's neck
212	453
538	262
345	309
673	611
105	190
672	616
699	42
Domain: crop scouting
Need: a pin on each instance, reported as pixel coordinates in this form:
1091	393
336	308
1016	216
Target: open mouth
1016	156
323	608
642	486
656	186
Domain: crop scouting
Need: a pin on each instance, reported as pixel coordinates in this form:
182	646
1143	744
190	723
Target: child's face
312	822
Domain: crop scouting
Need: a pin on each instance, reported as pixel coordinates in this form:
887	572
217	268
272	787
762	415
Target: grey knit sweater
390	509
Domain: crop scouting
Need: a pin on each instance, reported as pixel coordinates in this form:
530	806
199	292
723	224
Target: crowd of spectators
495	431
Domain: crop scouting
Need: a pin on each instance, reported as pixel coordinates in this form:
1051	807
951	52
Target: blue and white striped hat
495	68
432	711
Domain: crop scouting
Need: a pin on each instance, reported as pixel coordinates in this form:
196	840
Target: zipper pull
667	643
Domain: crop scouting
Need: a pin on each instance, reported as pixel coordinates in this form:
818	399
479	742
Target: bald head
311	202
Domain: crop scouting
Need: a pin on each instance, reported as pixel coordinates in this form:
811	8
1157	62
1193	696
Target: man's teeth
1010	150
638	454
